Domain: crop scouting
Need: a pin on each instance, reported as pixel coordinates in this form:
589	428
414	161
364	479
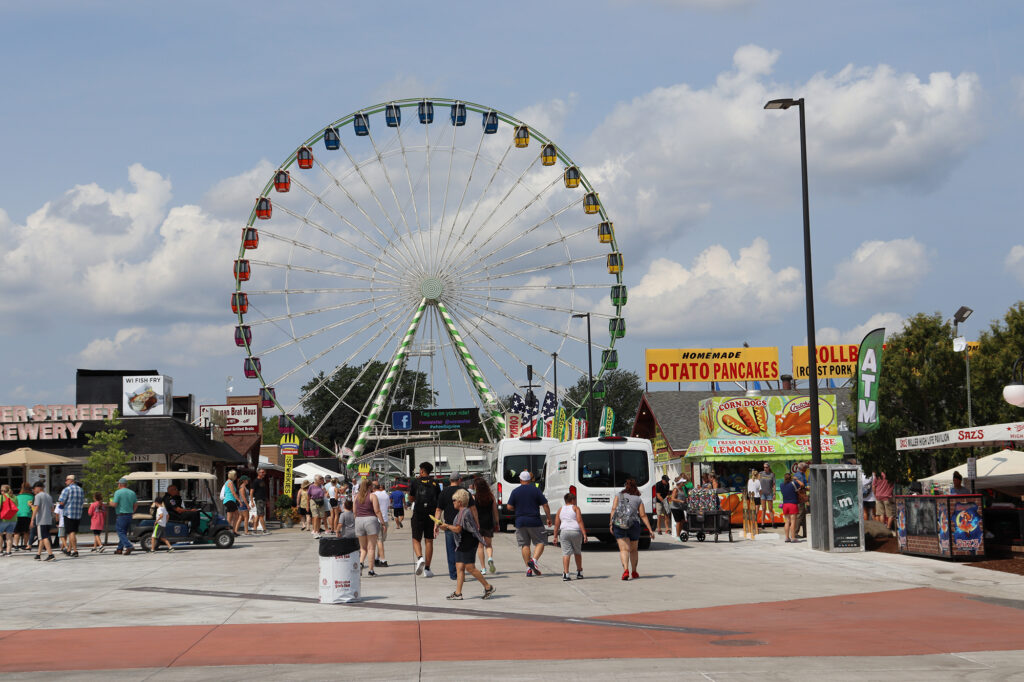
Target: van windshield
514	464
610	468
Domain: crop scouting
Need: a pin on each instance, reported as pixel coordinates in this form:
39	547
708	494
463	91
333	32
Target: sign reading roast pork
48	422
712	364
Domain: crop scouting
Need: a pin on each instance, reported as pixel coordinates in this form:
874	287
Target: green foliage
623	389
108	460
922	389
271	436
357	385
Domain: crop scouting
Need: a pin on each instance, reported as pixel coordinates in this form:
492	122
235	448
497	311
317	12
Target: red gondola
282	181
239	303
242	270
250	238
309	448
285	425
243	335
267	396
251	367
264	209
304	157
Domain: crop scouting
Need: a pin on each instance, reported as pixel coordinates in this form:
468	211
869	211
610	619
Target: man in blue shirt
124	505
525	502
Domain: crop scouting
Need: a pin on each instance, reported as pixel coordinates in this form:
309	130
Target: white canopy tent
1003	471
311	471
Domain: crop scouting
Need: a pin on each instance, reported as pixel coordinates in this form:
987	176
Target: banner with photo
147	396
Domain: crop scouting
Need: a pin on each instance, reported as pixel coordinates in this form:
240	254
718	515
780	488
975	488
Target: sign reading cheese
834	362
712	364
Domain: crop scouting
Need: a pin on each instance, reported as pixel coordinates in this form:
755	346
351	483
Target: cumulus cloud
176	346
1015	262
715	293
235	196
891	322
877	269
548	117
668	155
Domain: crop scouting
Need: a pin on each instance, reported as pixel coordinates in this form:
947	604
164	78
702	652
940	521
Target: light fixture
1013	392
962	314
780	104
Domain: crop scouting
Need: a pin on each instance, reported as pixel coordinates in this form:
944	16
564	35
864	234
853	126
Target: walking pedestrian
423	493
124	503
627	514
790	505
368	523
332	509
467	536
384	502
570	533
243	505
662	490
885	509
259	500
160	526
867	489
803	506
678	502
525	502
229	495
446	510
767	481
316	504
42	519
73	500
487	515
397	505
8	514
97	521
303	504
58	521
23	521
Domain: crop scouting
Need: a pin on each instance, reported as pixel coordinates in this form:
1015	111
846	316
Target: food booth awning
1003	471
993	435
776	448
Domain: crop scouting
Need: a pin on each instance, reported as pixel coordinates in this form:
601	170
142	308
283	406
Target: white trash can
339	578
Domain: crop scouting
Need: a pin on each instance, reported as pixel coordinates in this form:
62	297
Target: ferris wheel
433	236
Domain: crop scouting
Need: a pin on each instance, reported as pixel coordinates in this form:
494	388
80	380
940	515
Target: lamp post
590	372
812	346
1013	392
554	368
961	315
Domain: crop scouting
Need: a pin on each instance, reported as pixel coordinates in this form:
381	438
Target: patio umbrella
26	457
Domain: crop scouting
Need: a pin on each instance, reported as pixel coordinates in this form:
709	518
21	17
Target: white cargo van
595	470
513	456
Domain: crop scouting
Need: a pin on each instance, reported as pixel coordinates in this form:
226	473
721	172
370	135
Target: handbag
9	509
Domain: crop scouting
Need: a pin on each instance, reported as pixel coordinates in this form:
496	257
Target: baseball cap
524	476
457	476
122	480
664	478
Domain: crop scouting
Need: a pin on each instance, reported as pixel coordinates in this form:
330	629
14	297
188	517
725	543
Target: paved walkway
718	606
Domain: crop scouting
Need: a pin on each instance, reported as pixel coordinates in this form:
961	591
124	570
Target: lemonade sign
767	416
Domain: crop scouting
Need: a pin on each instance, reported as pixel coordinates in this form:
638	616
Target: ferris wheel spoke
474	327
534	287
462	199
321	330
447	186
314	311
334	235
408	176
537	268
392	276
535	306
314	271
480	255
334	290
465	377
562	239
394	195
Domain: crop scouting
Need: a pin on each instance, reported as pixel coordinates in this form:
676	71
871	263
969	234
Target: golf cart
212	528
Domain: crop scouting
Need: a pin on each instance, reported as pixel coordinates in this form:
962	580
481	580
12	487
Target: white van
513	456
595	470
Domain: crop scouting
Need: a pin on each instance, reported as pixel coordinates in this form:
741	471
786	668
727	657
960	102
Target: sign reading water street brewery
712	364
48	422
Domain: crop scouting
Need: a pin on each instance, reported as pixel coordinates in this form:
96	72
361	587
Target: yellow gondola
572	177
548	155
522	137
590	203
605	233
614	261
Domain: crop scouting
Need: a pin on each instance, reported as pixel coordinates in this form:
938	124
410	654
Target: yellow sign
776	415
712	364
662	452
289	462
834	362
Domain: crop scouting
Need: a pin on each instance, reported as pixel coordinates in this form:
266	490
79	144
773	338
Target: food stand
744	432
944	526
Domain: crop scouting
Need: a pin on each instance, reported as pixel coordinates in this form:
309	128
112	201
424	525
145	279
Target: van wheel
645	543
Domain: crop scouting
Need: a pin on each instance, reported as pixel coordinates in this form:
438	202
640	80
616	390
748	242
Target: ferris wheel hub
432	288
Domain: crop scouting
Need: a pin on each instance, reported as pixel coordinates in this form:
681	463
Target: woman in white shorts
368	524
570	534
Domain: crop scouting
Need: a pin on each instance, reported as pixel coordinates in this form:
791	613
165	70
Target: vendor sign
712	364
755	449
662	452
834	362
994	435
785	415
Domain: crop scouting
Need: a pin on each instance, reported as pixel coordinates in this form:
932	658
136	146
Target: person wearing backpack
627	514
317	509
424	495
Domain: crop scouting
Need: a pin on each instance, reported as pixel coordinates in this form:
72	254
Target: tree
271	435
920	390
623	390
412	391
108	460
991	364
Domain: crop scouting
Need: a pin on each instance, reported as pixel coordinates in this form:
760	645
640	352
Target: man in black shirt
176	510
446	506
259	495
661	493
424	493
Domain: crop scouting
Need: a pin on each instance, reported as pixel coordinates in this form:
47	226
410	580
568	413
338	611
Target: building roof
676	412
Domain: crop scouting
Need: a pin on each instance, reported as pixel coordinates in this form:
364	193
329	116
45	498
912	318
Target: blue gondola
331	138
393	115
490	121
361	124
426	111
458	114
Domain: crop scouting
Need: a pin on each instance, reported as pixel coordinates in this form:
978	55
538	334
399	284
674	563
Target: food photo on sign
146	396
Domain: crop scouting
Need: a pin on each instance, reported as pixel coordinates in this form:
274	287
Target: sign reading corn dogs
776	415
712	364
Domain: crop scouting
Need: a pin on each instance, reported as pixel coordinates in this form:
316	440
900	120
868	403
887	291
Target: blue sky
135	136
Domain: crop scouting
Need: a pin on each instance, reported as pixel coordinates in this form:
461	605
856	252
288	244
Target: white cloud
891	322
180	345
715	294
236	196
668	155
548	117
1015	262
877	269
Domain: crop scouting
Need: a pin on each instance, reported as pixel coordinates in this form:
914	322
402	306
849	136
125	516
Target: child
571	534
62	537
97	522
347	521
160	526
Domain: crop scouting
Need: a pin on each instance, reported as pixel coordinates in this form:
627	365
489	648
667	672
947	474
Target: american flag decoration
530	411
547	412
518	405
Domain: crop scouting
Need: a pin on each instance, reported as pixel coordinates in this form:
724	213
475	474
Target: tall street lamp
1013	392
590	373
812	346
959	316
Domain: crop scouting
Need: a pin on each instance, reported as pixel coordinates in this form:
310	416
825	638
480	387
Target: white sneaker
420	563
427	573
490	566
